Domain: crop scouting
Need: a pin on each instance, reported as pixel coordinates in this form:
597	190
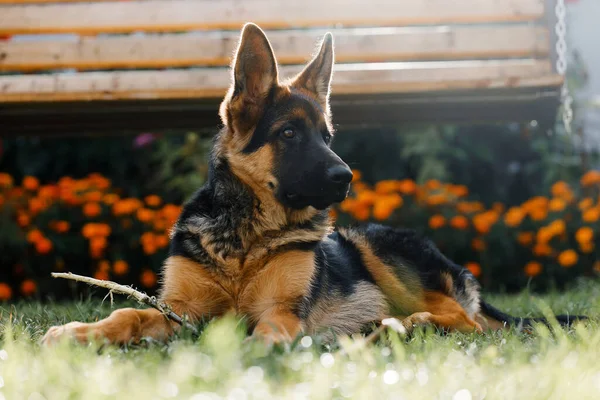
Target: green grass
503	365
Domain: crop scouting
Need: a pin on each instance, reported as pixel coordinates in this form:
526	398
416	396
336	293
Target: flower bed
86	226
546	241
83	226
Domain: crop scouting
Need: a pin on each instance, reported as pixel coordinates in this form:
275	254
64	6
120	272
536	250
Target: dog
256	239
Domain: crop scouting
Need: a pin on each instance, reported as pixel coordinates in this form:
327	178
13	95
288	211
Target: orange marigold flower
34	236
586	203
538	214
126	206
568	258
147	237
533	268
458	190
101	275
361	213
544	235
149	248
99	181
93	196
28	287
161	241
459	222
43	246
525	238
437	199
92	210
386	187
171	212
31	183
437	221
104	230
366	198
466	207
48	192
406	186
382	210
356	175
161	226
61	226
145	215
586	248
597	266
556	205
478	244
91	230
542	250
514	216
590	178
561	190
591	215
23	220
148	278
483	222
98	242
66	181
585	234
96	253
36	205
153	200
5	179
433	184
5	291
110	199
104	265
558	227
498	207
536	202
474	267
120	267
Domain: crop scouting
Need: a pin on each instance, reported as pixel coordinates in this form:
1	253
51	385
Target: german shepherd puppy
256	239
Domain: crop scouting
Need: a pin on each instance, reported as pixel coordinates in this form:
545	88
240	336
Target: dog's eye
327	138
288	133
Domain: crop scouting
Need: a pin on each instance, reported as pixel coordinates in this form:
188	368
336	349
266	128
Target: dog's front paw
73	330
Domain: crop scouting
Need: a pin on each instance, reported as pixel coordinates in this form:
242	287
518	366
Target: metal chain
561	63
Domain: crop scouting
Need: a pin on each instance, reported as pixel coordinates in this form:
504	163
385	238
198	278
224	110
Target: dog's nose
339	174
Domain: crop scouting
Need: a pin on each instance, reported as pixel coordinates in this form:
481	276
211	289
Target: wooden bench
76	67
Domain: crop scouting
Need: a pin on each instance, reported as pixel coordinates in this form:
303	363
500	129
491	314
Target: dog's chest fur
251	269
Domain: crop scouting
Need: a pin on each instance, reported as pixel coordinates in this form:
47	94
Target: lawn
220	365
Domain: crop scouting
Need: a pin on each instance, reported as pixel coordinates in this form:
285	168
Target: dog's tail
497	318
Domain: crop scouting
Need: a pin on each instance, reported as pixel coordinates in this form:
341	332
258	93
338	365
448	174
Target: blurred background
476	122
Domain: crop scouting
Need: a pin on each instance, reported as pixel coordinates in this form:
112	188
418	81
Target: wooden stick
141	297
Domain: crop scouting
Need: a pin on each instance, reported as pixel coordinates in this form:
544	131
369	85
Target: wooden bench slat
291	47
183	15
213	82
50	1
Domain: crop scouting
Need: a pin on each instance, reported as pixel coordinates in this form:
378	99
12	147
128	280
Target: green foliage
507	162
181	166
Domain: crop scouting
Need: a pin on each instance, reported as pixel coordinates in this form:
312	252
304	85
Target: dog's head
278	135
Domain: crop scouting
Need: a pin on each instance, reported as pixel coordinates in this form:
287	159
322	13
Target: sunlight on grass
220	364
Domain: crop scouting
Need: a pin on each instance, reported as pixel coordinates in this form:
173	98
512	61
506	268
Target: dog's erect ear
254	67
316	76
